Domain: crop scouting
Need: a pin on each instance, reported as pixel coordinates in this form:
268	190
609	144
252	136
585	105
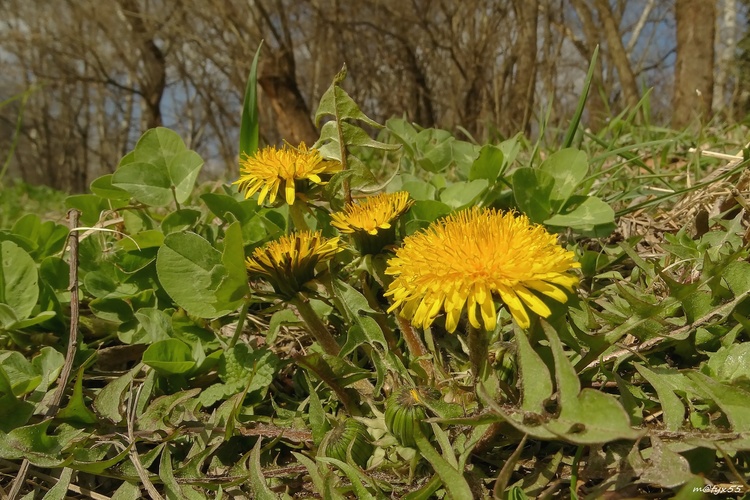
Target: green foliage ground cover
189	381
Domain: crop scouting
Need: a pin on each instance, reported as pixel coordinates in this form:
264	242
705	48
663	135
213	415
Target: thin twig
70	355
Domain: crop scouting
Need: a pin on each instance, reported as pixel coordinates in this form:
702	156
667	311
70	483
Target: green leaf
159	170
60	489
102	186
183	171
336	102
19	287
586	416
34	444
192	273
453	480
674	410
77	411
23	377
146	182
317	417
488	164
576	120
250	124
234	287
568	167
733	401
179	220
532	190
591	214
354	476
169	357
536	383
731	364
461	194
258	485
108	402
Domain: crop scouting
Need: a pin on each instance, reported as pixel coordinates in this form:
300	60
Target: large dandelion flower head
270	168
472	257
291	261
371	222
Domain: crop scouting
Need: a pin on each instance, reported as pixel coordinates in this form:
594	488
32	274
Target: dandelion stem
240	325
478	341
315	325
415	345
296	213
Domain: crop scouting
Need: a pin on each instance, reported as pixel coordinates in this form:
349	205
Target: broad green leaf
101	465
568	167
337	103
453	480
22	375
179	220
536	383
155	325
461	194
586	416
146	182
169	357
222	204
159	170
532	190
665	468
91	207
488	165
102	186
108	403
731	364
77	411
419	190
34	444
260	489
19	287
353	475
183	171
60	489
674	410
592	215
234	287
192	273
316	415
312	469
733	401
250	122
355	309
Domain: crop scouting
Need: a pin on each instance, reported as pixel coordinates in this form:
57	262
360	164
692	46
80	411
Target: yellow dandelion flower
471	257
270	167
291	261
370	222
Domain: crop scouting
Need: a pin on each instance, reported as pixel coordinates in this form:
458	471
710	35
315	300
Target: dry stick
62	380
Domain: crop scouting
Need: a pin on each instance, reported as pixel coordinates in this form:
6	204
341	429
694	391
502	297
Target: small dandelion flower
291	261
471	257
270	167
371	222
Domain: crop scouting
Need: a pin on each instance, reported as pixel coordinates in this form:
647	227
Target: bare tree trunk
521	103
617	53
279	83
154	79
727	39
694	67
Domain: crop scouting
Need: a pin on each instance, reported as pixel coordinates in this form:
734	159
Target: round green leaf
19	287
169	357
